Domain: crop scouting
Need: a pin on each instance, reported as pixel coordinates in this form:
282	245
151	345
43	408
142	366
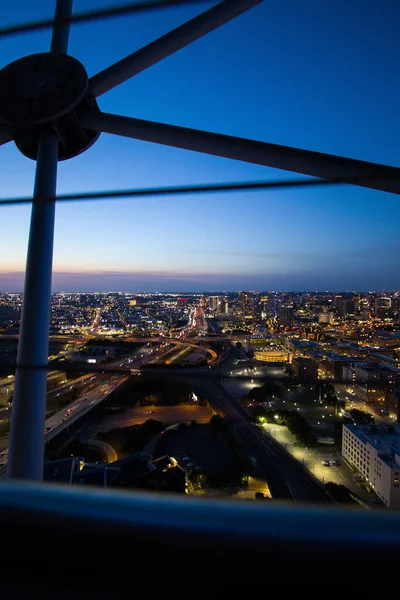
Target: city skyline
237	81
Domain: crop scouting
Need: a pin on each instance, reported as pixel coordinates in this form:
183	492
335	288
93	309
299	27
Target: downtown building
305	369
375	380
374	450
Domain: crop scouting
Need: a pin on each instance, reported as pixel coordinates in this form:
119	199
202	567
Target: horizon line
217	292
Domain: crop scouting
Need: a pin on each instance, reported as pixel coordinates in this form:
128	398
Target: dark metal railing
171	527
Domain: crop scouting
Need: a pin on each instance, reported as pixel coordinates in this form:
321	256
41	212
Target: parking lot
313	459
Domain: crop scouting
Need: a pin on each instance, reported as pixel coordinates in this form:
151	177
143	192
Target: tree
265	392
257	395
259	414
217	422
239	345
218	347
293	421
340	493
360	417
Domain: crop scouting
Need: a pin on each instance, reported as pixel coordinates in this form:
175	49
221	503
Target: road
108	450
141	414
357	400
79	382
287	479
104	385
301	485
313	458
7	383
166	414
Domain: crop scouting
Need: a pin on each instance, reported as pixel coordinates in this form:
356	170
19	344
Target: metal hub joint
46	90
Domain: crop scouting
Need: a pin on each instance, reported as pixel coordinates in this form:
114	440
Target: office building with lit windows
213	302
374	450
305	369
285	313
383	307
273	355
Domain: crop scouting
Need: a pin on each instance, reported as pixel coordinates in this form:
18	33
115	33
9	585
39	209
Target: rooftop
384	438
304	361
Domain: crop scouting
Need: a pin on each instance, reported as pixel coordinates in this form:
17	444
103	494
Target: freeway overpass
79	338
68	415
66	338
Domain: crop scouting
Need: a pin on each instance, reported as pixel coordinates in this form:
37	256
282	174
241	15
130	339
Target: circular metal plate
42	87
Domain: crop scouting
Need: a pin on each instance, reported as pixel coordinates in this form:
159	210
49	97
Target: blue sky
311	74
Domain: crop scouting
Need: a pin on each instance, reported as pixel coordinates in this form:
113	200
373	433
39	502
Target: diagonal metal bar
168	44
307	162
96	15
5	136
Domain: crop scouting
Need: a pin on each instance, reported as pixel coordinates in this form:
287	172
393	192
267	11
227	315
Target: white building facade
374	450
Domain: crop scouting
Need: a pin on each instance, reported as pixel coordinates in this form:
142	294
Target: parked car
326	463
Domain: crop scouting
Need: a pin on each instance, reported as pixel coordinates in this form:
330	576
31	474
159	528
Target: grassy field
75	448
306	401
310	406
59	402
4	429
128	440
4	399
